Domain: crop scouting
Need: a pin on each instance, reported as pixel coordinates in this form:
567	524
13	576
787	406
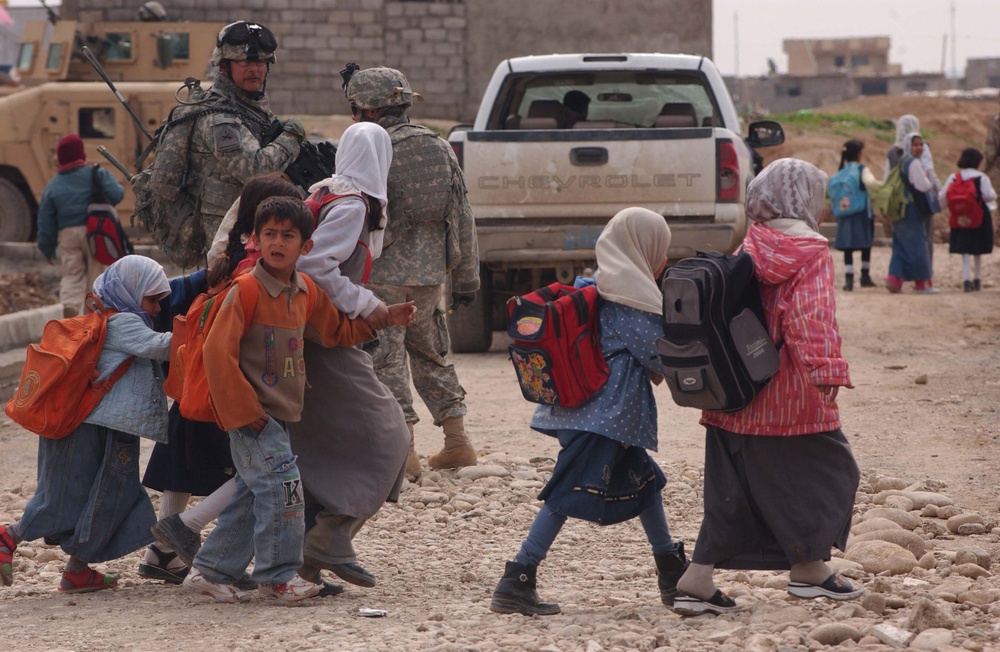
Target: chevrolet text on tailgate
563	142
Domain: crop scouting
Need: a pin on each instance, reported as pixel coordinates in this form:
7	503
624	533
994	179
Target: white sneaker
293	590
195	582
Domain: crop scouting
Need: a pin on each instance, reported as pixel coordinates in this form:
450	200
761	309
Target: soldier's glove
294	126
459	299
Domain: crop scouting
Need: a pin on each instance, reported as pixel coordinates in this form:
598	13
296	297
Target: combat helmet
377	88
242	40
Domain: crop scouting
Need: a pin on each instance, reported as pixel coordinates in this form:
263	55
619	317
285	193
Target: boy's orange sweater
264	371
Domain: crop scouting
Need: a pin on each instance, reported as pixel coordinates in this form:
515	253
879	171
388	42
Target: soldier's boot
457	451
413	468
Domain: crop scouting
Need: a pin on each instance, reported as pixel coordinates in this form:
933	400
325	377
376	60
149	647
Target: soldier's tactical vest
420	178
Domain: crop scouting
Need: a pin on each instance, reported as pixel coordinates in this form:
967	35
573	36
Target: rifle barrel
103	151
100	71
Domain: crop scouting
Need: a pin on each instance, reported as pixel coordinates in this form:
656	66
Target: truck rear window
605	100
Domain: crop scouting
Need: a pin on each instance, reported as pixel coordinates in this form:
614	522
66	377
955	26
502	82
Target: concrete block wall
448	49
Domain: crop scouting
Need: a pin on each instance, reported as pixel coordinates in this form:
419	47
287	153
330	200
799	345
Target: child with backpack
910	259
780	477
253	362
967	194
88	497
850	202
603	473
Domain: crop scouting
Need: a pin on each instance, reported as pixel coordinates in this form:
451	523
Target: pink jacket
796	279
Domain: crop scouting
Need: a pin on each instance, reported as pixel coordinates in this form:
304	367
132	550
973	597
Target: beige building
448	49
868	56
982	73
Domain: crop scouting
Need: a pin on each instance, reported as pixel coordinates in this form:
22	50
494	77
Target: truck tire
471	327
15	214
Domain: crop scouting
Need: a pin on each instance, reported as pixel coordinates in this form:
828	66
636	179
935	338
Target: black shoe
967	286
173	534
161	570
977	285
246	583
352	572
516	594
849	282
866	281
330	589
669	568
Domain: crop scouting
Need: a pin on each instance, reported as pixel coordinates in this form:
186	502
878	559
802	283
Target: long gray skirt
352	440
772	502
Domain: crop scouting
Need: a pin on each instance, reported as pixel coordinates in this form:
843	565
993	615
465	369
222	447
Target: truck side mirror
164	50
766	133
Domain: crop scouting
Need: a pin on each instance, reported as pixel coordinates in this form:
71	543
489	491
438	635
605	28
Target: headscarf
905	125
908	143
787	188
127	281
363	158
630	250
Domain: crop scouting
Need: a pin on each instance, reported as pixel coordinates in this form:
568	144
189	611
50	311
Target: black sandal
160	570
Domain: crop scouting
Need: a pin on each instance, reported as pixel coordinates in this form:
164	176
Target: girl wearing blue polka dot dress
603	473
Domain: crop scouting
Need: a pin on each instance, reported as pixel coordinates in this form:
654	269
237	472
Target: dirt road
924	410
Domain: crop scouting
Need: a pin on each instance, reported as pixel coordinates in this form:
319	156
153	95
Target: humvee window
118	46
96	122
25	57
181	44
54	60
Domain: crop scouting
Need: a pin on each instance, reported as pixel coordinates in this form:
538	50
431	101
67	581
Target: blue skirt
854	232
601	480
911	258
88	499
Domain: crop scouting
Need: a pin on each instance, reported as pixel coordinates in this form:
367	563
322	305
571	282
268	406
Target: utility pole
954	59
738	86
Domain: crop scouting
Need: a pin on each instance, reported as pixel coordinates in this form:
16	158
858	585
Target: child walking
780	477
972	243
911	259
855	231
603	473
88	496
256	376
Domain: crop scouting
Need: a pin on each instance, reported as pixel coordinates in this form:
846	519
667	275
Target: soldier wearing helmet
238	136
430	241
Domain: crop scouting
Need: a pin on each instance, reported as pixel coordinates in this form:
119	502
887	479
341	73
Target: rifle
100	71
315	162
103	151
53	16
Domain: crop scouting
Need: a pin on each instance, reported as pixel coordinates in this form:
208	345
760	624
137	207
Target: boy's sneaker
195	582
293	590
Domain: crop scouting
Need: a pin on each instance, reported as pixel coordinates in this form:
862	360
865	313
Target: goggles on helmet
256	38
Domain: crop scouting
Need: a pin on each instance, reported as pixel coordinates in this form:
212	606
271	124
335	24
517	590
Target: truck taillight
458	152
729	171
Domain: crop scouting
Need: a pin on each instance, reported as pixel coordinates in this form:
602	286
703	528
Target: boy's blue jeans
265	519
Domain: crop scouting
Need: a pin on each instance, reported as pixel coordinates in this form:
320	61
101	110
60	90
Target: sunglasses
255	37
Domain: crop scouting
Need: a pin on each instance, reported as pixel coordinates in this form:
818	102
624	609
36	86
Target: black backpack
715	349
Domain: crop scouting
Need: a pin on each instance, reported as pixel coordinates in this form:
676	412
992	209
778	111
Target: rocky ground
924	424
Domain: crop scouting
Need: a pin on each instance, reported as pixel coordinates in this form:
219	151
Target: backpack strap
96	191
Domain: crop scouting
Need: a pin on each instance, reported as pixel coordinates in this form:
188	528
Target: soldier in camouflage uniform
430	240
991	150
235	143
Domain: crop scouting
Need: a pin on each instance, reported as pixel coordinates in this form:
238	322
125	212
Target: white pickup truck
563	142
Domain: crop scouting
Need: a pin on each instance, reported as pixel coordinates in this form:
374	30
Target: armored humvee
63	94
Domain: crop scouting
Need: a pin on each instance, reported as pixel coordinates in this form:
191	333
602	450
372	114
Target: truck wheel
15	214
471	327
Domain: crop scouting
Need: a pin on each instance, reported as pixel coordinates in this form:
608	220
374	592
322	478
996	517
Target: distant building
982	73
827	71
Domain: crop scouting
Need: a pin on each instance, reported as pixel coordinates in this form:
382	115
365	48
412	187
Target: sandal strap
163	559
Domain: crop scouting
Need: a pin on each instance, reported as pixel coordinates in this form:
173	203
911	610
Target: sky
916	29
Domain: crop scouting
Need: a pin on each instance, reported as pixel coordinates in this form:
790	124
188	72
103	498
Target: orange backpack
186	380
58	387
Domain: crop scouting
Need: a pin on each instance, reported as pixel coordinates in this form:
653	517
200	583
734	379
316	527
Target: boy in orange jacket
256	376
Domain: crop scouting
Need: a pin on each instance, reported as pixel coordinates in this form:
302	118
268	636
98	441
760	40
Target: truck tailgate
591	173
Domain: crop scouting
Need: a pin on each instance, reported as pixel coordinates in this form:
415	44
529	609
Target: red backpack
106	238
964	203
58	388
557	344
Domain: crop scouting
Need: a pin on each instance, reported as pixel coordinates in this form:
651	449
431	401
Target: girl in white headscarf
88	496
352	442
604	473
780	477
911	259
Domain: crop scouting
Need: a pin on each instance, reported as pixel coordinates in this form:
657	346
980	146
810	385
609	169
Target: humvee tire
15	214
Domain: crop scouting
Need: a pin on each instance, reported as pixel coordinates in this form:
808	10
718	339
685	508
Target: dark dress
197	459
976	242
